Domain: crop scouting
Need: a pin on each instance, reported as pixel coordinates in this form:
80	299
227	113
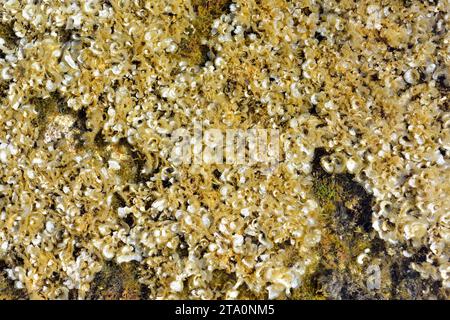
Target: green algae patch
345	234
349	247
341	190
325	191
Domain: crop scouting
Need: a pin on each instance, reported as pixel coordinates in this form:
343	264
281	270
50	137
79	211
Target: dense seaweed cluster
91	92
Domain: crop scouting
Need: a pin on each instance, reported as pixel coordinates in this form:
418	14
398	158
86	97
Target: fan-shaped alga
356	207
